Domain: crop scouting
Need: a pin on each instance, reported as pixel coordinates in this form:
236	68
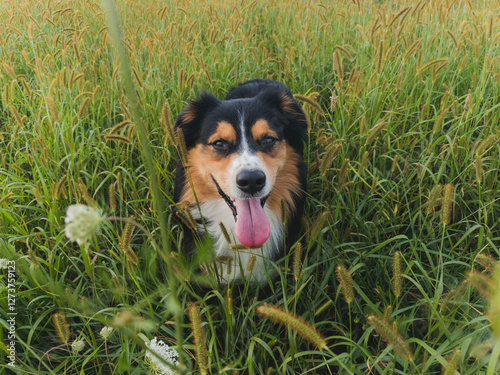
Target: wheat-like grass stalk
454	363
251	263
181	144
478	166
323	307
380	57
61	326
487	261
60	187
295	323
119	126
179	268
431	63
85	194
362	163
227	261
333	101
118	138
439	121
447	205
338	66
343	173
481	282
309	100
391	336
52	108
83	108
166	120
375	132
387	314
346	283
112	196
225	233
484	145
397	274
229	301
331	152
394	165
297	261
187	218
127	233
199	337
6	197
434	198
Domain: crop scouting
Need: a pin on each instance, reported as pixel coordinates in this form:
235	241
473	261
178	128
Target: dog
243	165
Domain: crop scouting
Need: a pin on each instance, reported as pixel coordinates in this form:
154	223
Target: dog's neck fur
216	211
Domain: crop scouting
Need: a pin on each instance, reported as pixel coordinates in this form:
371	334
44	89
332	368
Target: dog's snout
251	181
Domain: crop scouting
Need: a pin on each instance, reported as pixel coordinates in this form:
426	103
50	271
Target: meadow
395	269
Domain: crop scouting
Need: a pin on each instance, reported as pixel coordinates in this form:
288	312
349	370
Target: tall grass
403	194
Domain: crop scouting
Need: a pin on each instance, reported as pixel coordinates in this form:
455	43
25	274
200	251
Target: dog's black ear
191	118
289	113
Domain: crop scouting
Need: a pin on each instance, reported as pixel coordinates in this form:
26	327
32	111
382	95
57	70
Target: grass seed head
199	337
480	282
391	337
478	166
487	261
251	263
375	132
434	197
283	211
346	283
454	363
297	261
296	324
225	233
397	276
439	120
447	206
52	108
112	196
61	326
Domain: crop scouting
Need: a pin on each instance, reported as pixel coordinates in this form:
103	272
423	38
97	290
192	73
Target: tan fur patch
204	162
283	163
224	131
262	129
288	105
189	114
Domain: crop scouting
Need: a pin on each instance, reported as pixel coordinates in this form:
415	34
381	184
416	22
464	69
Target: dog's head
247	151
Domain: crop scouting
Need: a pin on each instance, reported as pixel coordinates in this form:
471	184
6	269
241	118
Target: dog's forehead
243	115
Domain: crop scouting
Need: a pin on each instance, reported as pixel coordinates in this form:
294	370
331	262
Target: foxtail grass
296	324
391	336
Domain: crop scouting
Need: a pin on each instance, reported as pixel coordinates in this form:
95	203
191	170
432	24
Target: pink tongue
252	226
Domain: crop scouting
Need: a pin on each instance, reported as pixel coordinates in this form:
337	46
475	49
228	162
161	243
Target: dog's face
246	151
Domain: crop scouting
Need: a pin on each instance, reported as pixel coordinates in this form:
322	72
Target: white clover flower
78	346
164	352
106	332
4	263
81	222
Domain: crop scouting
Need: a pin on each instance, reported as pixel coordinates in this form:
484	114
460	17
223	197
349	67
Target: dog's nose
251	181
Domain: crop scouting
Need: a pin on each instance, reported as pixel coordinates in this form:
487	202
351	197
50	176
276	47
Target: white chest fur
234	264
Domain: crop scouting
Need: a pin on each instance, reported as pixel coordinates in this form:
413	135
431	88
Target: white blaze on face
252	225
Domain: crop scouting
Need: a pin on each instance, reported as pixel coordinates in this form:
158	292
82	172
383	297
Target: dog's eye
220	145
268	141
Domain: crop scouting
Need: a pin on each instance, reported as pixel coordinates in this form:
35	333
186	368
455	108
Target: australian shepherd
243	166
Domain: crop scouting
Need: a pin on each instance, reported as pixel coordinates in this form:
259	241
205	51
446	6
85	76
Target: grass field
401	232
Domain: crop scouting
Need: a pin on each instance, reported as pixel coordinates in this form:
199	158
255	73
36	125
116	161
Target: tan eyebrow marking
262	129
224	131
